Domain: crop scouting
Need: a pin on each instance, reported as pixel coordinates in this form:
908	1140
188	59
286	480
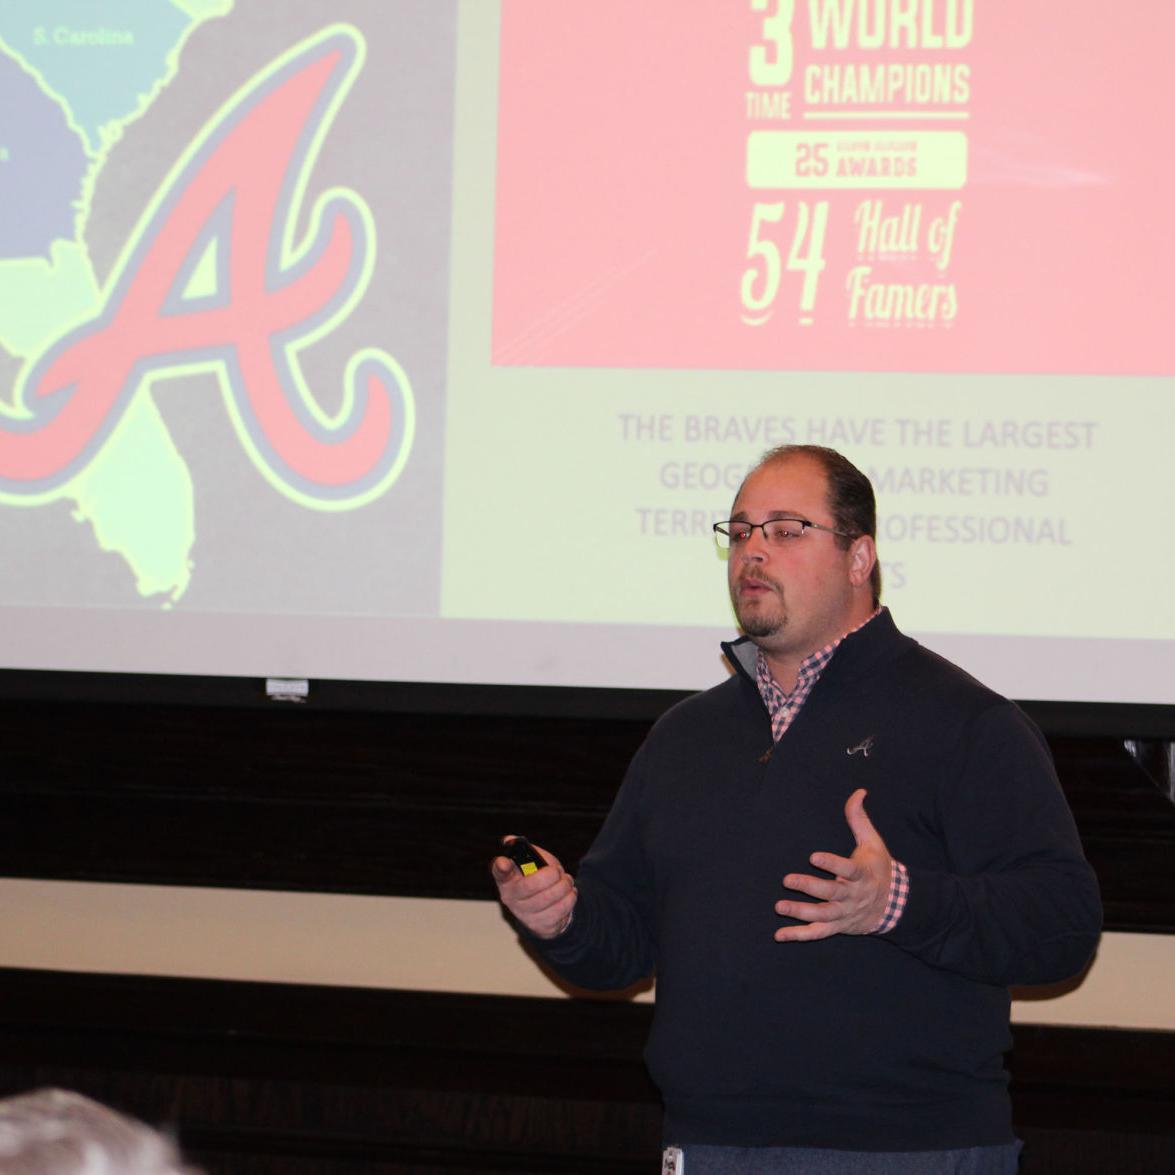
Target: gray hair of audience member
56	1132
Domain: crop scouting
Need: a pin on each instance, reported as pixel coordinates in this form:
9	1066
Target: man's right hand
543	901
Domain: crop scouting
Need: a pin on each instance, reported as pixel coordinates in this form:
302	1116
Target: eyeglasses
777	531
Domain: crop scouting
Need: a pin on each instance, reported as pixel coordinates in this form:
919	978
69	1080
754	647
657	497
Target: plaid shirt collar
783	707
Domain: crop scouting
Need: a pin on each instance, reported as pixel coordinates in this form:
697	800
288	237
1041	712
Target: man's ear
862	557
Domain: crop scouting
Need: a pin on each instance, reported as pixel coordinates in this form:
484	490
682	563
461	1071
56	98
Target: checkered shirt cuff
899	893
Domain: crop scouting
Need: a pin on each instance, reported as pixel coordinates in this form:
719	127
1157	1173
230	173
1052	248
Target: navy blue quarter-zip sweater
890	1042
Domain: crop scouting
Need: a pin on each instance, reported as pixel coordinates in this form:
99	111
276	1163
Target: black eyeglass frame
720	531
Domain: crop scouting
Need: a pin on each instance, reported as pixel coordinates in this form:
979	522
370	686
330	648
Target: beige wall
417	944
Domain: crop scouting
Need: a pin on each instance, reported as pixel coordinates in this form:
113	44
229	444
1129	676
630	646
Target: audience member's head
55	1132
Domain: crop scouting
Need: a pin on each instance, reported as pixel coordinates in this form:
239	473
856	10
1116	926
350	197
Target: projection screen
416	340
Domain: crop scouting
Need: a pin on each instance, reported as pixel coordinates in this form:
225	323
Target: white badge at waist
672	1161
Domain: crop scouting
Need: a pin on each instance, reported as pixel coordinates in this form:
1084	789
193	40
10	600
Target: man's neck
785	670
785	666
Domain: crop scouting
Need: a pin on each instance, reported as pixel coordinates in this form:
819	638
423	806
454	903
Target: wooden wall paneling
405	804
1127	826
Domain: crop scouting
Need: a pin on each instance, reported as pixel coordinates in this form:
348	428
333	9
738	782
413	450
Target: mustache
757	577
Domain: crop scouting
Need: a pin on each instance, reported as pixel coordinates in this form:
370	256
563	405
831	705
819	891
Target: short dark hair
850	496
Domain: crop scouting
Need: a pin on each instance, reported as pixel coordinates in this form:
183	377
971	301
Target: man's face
794	598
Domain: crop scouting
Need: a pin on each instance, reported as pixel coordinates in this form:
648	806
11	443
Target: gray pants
794	1160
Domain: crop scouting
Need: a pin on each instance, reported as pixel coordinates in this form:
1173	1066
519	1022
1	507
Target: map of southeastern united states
72	74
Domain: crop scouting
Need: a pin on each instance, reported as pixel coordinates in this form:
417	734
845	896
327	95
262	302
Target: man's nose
755	548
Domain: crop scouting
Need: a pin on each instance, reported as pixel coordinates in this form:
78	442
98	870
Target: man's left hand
854	900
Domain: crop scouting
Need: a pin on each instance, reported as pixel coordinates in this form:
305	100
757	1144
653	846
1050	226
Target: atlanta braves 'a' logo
234	202
862	748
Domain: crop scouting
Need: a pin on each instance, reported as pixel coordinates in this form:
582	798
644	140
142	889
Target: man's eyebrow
741	515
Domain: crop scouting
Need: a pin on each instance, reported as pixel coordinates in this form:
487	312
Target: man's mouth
750	585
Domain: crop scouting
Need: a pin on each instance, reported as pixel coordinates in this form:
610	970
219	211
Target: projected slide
425	339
